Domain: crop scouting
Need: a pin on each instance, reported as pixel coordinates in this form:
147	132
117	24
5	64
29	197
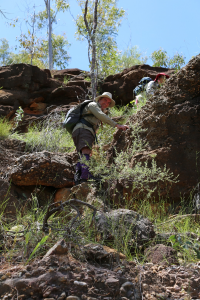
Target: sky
172	25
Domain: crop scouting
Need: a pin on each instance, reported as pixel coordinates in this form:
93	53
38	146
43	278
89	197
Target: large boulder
121	85
14	98
125	223
43	168
171	122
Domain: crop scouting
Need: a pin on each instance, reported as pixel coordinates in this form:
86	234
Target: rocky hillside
79	240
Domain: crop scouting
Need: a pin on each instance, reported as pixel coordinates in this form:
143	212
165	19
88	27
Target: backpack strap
83	121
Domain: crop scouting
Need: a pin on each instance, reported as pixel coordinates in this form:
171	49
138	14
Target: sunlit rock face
171	119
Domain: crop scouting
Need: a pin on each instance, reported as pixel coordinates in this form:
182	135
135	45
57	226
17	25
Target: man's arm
97	112
122	127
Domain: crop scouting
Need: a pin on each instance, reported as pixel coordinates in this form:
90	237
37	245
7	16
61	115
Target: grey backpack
74	116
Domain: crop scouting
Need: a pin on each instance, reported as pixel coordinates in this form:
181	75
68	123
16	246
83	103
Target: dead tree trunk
47	3
92	46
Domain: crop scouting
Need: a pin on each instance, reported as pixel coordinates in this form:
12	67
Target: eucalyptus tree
34	47
160	58
5	53
98	24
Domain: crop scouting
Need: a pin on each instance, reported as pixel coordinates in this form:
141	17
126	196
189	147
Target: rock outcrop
34	89
171	119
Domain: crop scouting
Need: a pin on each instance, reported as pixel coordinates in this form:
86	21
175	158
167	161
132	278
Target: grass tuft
49	136
5	128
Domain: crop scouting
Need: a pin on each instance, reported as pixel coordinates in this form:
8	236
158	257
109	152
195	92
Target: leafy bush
141	176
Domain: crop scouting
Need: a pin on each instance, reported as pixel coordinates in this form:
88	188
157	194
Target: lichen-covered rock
124	222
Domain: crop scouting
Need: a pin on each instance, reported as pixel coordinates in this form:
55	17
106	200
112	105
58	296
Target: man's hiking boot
78	174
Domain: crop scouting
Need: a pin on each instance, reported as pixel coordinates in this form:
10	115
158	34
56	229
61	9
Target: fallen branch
179	217
72	202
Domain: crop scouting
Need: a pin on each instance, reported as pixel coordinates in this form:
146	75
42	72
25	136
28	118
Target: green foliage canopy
109	18
33	45
5	53
160	58
130	57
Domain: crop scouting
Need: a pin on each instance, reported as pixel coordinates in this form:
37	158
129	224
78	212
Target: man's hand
122	127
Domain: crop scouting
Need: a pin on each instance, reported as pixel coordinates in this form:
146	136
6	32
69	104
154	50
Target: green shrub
140	176
66	79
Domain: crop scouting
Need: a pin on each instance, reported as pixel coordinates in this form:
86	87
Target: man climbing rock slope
84	132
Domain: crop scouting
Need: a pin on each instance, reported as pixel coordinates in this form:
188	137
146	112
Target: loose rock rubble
58	276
